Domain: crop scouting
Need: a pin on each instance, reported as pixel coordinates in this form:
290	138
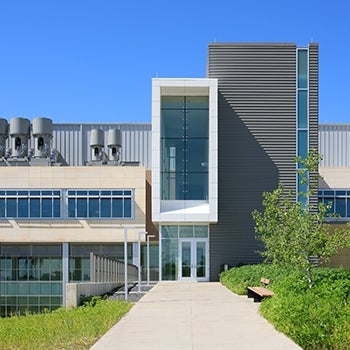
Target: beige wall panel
75	177
334	178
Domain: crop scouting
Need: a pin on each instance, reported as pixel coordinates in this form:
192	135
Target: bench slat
259	293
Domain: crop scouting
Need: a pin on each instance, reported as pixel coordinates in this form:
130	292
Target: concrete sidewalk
181	316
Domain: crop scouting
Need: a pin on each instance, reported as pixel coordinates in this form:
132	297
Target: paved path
200	316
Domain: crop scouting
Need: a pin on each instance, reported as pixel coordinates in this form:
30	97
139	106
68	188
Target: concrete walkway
201	316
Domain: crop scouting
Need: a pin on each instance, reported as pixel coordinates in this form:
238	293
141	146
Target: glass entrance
193	259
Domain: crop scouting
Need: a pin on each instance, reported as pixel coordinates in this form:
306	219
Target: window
116	204
338	201
184	147
31	204
302	117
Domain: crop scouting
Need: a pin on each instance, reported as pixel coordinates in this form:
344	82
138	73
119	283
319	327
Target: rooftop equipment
42	133
114	144
96	145
19	133
3	136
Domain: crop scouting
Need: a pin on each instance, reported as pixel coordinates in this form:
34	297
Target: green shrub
316	318
62	329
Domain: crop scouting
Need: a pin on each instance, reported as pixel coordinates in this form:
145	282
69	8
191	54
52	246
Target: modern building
190	179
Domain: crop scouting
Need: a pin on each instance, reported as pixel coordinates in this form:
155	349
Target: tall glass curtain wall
302	117
184	147
30	278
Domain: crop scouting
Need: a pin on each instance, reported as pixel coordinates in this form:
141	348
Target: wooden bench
258	293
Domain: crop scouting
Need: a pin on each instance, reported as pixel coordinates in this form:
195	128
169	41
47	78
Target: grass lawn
316	318
76	329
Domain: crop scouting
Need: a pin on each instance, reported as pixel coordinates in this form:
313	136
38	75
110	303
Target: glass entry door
193	259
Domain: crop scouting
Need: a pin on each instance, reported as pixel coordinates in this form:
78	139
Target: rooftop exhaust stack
114	144
42	133
20	133
96	145
3	136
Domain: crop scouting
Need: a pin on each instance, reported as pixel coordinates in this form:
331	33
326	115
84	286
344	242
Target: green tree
293	232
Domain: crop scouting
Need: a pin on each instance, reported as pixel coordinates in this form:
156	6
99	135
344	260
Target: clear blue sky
93	60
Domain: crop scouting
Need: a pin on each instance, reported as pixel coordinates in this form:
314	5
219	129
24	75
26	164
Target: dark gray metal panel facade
257	139
72	142
334	145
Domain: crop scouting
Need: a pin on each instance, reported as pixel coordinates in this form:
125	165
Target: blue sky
93	60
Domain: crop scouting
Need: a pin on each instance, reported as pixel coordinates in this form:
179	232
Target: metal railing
103	269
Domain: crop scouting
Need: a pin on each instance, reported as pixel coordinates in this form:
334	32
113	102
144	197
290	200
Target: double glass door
193	259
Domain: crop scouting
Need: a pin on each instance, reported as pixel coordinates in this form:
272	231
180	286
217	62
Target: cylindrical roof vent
114	138
3	136
97	138
42	126
42	133
114	143
96	144
20	133
19	126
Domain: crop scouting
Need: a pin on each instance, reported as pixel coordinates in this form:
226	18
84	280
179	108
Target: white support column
65	270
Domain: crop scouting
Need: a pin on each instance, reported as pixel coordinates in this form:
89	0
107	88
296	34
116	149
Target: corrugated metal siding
334	145
257	139
72	142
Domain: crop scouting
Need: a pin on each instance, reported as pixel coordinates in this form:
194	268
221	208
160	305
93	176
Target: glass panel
173	186
197	186
172	124
197	155
34	208
23	207
200	251
329	201
71	207
117	207
2	207
348	207
340	207
197	123
186	231
201	231
302	109
302	144
197	102
302	69
186	259
94	208
328	193
82	207
127	208
169	259
173	102
56	208
173	156
11	207
46	207
340	193
169	231
106	207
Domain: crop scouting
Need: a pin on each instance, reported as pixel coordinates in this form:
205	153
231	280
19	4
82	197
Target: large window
30	204
184	147
338	201
30	278
100	204
302	117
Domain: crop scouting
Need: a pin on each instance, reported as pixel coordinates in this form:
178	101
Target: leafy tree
293	232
